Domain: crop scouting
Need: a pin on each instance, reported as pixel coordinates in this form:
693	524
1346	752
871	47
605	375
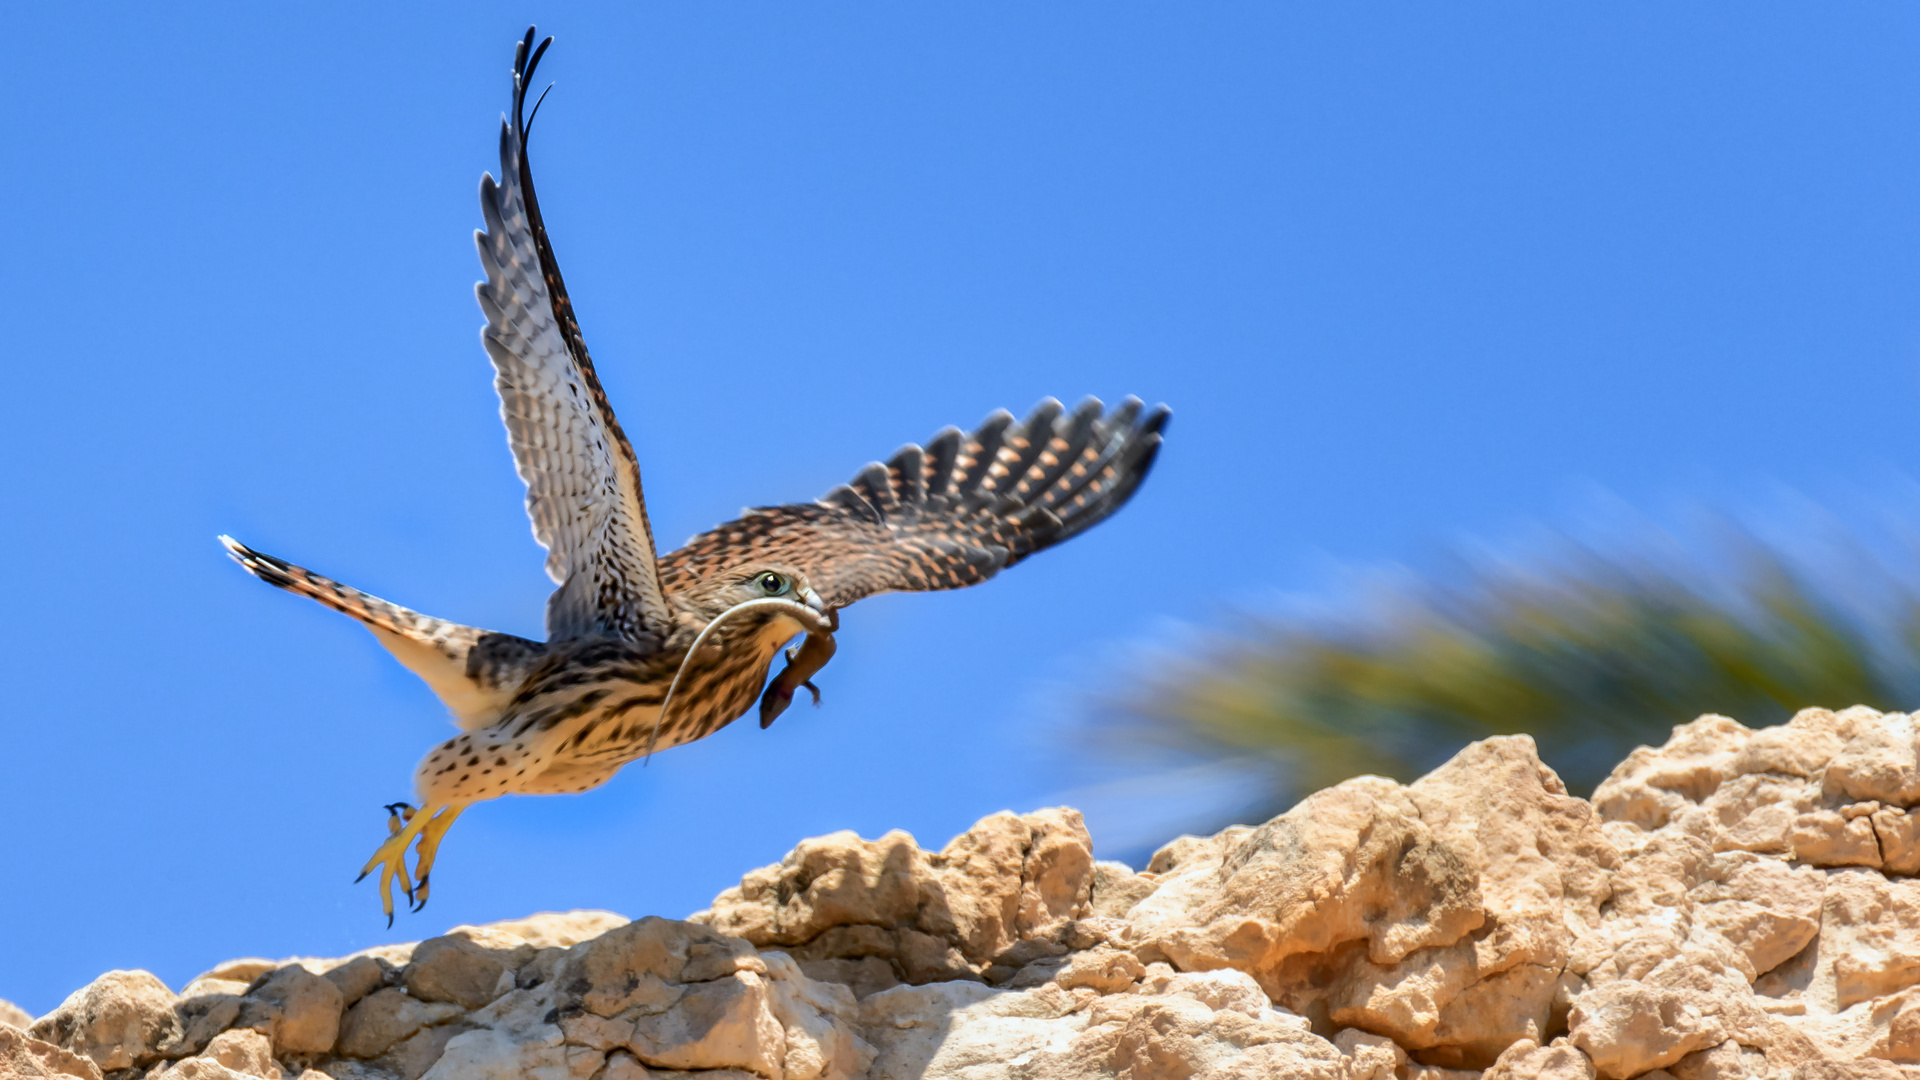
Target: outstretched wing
583	484
950	515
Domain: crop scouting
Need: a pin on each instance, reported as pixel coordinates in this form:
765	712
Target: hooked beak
812	600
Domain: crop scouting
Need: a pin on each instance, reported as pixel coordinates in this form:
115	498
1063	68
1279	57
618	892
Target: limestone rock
1878	765
1351	865
14	1016
466	966
23	1056
1008	882
1736	903
724	1024
1102	970
197	1068
1370	1056
1728	1061
1767	908
421	1052
1437	914
359	977
1116	888
385	1017
1528	1060
645	963
554	929
243	971
238	1053
863	975
820	1022
119	1020
621	1065
298	1010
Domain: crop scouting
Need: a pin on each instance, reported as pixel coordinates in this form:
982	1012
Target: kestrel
646	653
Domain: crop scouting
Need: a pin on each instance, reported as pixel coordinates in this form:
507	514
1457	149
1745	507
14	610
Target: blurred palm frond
1592	658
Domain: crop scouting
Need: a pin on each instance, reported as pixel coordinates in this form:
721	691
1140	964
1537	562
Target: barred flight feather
950	515
583	483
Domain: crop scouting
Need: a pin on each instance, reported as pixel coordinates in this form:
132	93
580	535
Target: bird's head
779	596
754	607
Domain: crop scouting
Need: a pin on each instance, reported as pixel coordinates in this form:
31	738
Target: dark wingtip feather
1138	460
1045	411
941	452
846	498
875	482
1076	431
908	467
261	565
974	518
1135	448
534	61
984	444
1037	430
526	58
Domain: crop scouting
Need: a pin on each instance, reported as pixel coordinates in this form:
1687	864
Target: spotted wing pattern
949	515
583	484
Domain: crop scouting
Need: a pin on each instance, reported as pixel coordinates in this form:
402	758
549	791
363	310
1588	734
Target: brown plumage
952	514
647	653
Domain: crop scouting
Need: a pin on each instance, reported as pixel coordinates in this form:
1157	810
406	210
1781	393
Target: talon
398	814
390	858
429	847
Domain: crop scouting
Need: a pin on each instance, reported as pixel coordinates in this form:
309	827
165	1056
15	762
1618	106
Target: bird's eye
773	584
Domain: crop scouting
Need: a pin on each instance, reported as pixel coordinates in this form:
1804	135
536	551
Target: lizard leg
802	665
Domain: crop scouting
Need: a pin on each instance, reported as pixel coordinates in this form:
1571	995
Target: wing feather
950	515
583	484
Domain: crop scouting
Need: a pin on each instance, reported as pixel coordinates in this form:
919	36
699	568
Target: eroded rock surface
23	1056
1733	905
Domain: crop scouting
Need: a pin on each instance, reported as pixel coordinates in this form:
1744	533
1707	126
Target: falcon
645	653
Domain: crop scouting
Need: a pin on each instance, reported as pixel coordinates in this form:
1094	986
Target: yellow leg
391	858
430	847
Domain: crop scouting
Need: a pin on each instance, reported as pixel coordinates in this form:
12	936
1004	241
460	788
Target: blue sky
1404	273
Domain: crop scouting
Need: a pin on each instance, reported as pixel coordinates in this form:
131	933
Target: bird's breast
605	706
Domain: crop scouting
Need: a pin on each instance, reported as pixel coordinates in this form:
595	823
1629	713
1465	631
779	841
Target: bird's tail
474	671
375	612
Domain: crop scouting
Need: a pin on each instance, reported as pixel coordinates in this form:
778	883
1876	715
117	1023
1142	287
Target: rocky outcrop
1734	904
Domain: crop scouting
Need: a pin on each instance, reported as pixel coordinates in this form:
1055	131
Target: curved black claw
398	814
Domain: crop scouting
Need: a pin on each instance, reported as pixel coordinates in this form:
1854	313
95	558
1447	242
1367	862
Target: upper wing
950	515
583	485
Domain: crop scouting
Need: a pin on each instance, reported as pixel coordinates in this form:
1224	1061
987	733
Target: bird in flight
643	652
